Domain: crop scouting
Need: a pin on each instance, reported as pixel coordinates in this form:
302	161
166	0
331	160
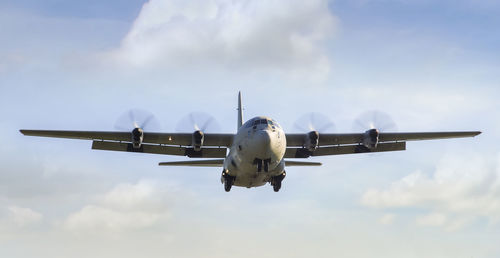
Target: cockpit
256	122
262	121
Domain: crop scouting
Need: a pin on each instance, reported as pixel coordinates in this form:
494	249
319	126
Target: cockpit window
259	121
262	121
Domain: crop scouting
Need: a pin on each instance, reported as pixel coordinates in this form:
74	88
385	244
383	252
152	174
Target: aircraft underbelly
247	173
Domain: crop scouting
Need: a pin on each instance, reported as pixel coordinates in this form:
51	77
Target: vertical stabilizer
240	112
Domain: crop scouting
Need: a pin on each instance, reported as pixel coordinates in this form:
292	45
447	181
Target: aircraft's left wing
214	145
176	139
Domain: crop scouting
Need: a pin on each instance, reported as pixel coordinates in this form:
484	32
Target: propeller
314	122
197	121
374	119
137	118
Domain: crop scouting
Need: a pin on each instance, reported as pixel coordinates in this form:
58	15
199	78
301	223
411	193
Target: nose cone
260	144
263	137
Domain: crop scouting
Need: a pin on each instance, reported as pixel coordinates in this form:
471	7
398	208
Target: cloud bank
252	36
463	188
125	207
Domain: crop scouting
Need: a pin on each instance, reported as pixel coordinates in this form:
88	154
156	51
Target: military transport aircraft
258	152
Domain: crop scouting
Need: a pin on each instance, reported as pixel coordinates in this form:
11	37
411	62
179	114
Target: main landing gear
228	181
276	181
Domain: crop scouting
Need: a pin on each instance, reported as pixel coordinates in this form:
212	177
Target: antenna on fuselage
240	112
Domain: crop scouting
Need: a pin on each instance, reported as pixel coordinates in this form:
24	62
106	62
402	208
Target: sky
73	65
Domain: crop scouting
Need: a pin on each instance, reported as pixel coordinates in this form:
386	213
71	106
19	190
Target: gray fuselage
257	152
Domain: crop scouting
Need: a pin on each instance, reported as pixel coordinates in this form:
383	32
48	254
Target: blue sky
79	66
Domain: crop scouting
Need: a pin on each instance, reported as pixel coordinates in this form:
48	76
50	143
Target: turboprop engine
370	138
197	140
137	137
311	141
136	121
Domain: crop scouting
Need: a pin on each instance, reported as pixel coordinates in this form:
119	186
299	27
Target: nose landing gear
276	181
262	163
228	181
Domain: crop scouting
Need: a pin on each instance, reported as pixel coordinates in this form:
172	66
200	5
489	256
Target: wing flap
160	149
325	139
343	149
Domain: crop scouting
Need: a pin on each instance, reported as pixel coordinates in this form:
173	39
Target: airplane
258	153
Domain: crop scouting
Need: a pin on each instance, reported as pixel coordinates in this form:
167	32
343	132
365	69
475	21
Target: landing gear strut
276	181
228	181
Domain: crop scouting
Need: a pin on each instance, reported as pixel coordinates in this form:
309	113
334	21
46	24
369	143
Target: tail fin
240	112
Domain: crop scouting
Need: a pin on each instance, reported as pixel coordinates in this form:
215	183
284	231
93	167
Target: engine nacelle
370	138
137	137
197	140
311	141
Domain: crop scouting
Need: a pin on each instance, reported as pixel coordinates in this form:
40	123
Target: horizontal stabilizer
293	163
220	162
195	163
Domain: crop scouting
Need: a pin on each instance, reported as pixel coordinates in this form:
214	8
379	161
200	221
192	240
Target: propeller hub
137	137
197	140
370	138
312	140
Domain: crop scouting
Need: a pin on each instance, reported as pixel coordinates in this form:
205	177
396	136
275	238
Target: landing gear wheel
228	181
276	181
277	186
227	185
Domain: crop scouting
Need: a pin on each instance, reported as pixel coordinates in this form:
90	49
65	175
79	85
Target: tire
227	187
228	183
277	186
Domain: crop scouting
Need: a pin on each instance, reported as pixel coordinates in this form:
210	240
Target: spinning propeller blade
374	119
137	118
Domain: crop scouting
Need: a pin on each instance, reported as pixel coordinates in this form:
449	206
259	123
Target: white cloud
24	216
463	187
279	35
432	219
21	216
387	219
126	207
